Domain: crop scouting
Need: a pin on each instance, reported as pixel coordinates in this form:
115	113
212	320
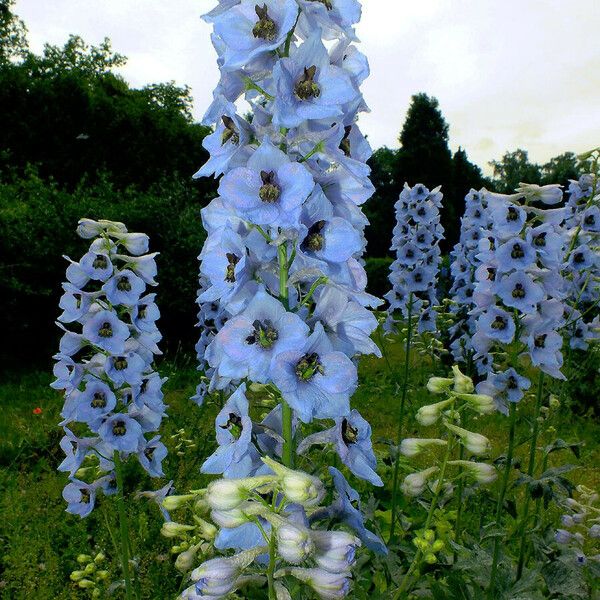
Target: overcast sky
507	73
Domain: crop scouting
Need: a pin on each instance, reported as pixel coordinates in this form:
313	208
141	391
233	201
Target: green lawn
39	541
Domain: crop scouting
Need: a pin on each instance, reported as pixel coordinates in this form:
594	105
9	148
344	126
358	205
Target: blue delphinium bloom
283	308
236	455
414	273
519	290
475	225
106	370
352	439
308	86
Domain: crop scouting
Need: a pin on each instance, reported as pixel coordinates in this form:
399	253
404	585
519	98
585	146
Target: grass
39	542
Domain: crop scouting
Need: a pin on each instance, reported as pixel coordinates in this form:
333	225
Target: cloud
506	74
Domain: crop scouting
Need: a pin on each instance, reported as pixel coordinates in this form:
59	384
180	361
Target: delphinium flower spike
413	277
283	309
113	395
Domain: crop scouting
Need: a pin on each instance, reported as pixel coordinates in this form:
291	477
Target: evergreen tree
514	168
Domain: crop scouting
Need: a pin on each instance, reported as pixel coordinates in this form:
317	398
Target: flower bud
439	385
429	535
96	593
86	584
297	486
325	584
335	550
462	383
481	403
594	531
185	561
567	521
430	558
99	558
430	413
413	446
225	494
481	472
229	519
206	530
437	546
475	443
102	575
562	536
171	529
554	402
175	502
415	483
82	559
294	543
77	575
90	569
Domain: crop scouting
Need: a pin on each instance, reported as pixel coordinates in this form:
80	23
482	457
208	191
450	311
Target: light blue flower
105	330
308	86
80	497
124	287
269	190
314	380
121	433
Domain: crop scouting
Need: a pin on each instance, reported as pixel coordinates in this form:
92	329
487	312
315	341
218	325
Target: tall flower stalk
113	395
283	308
413	277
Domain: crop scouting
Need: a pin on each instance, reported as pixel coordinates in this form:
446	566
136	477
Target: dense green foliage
39	542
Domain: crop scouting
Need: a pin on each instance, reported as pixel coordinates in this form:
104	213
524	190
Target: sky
508	73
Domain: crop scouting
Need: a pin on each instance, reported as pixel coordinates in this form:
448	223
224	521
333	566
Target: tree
379	209
424	157
514	168
561	168
13	34
68	112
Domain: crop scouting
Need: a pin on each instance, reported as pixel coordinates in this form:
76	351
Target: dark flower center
78	299
420	190
142	311
85	496
265	335
540	340
99	400
518	291
418	277
230	270
500	323
540	240
477	214
590	220
119	428
100	262
315	240
345	143
491	274
579	257
149	452
106	330
511	383
421	212
517	251
265	28
306	87
513	214
120	363
269	191
349	433
409	253
421	238
234	424
230	133
308	366
124	285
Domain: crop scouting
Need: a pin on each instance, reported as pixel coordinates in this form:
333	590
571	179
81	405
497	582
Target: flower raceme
105	362
283	310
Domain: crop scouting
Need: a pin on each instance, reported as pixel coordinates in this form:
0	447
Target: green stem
436	495
123	525
271	567
286	411
401	418
500	504
530	472
461	485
